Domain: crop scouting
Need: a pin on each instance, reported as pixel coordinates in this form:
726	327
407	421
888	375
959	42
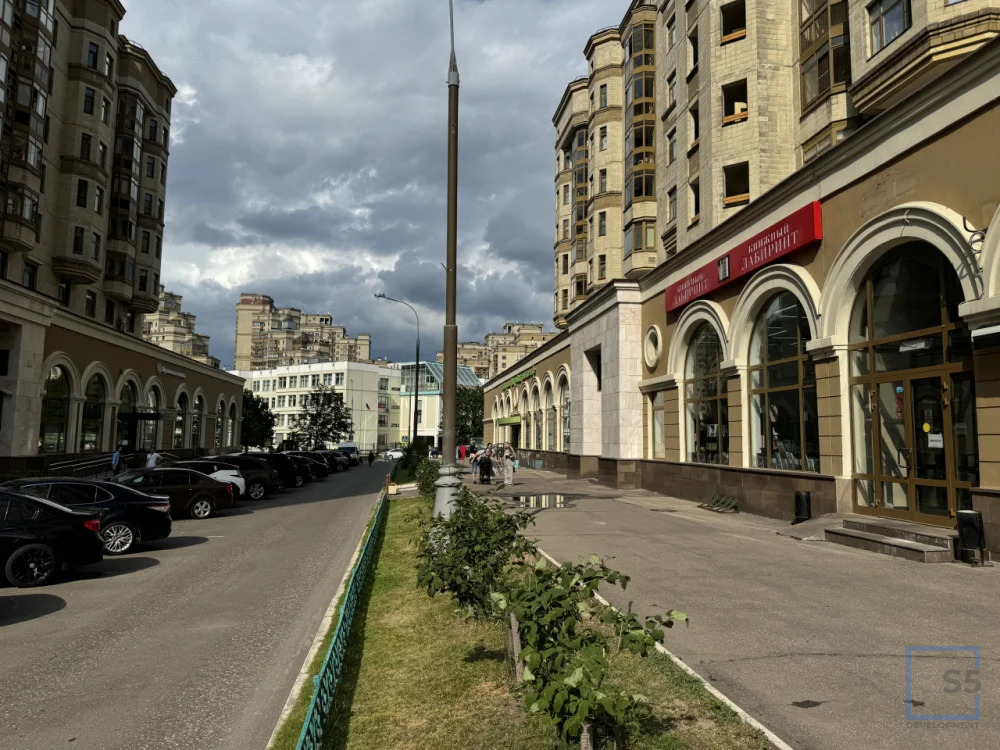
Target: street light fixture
416	365
447	484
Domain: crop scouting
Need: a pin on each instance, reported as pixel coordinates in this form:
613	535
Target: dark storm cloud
308	156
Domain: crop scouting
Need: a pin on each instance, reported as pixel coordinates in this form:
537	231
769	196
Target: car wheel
200	508
119	538
31	565
299	481
256	491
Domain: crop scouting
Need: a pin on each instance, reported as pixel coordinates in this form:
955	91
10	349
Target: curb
324	627
775	740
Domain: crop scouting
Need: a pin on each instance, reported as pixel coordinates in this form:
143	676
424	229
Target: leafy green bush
427	474
471	554
564	661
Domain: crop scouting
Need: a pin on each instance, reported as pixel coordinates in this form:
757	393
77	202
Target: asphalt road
808	637
192	642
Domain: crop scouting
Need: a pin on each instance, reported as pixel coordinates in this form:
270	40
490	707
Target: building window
565	197
734	102
671	33
3	264
29	276
92	54
150	166
604	95
102	155
694	199
105	111
90	305
784	426
339	379
706	403
565	229
98	199
64	290
159	245
657	445
737	187
85	144
565	263
95	246
888	20
694	129
671	89
824	48
109	65
159	209
81	193
109	312
145	242
153	127
672	204
78	233
693	51
603	181
604	138
293	400
671	146
143	280
327	378
639	236
734	21
602	266
147	204
55	412
565	298
88	101
602	224
580	287
163	173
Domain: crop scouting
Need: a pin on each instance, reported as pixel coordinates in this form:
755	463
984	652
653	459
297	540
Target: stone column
75	424
165	435
673	423
832	385
733	377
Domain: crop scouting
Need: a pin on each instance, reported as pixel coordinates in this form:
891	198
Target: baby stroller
485	470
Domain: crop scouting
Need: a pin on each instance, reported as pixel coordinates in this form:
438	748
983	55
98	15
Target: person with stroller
486	468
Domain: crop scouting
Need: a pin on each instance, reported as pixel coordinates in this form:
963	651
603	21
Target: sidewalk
808	637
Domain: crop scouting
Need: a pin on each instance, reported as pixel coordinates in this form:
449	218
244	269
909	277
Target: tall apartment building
473	354
174	329
269	336
83	168
500	350
692	110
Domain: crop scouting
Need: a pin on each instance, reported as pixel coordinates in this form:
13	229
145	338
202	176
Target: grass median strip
417	675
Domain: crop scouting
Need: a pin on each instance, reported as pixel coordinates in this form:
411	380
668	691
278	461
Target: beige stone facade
269	336
514	343
472	354
174	329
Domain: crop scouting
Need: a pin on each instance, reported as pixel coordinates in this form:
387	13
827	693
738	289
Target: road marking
215	537
748	538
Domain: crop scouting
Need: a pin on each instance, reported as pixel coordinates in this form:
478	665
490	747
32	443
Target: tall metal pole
416	367
448	483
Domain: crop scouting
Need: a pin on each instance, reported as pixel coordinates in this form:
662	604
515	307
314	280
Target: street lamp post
416	366
447	484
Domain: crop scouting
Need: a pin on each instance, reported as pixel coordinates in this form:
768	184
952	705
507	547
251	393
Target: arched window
536	408
55	412
128	406
180	421
220	418
232	425
913	406
196	419
706	400
92	432
149	425
550	419
784	427
564	412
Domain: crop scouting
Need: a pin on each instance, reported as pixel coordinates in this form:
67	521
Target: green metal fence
325	683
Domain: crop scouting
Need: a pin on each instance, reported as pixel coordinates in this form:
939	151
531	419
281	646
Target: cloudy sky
308	156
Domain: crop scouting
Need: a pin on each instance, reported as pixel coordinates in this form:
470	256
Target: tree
468	413
258	422
324	418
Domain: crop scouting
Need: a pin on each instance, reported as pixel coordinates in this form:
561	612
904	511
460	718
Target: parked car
303	473
191	493
38	538
128	517
394	454
282	464
336	460
317	466
223	471
261	479
351	451
321	459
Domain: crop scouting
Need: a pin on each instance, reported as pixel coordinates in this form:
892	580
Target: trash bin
803	507
971	536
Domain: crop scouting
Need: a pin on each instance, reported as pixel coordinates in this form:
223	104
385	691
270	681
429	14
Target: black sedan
38	538
324	468
282	464
127	517
336	460
304	471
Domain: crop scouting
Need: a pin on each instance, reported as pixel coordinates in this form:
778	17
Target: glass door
895	453
932	491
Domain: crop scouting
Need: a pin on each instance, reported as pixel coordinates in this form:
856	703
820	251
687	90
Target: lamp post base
448	484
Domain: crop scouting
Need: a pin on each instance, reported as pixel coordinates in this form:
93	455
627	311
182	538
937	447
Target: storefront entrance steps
911	541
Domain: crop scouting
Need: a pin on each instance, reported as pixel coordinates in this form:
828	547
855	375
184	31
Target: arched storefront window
151	423
536	408
92	428
55	412
550	419
784	427
564	411
197	416
913	413
232	425
180	421
706	401
127	417
526	430
220	427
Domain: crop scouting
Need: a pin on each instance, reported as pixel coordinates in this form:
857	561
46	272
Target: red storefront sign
794	232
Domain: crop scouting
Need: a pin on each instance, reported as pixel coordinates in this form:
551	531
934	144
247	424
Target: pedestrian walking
461	453
153	459
508	465
116	460
371	457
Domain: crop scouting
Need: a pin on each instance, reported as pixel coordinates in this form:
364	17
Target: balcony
145	302
120	291
19	236
639	263
78	268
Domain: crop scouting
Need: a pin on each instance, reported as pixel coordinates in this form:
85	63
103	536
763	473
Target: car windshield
127	477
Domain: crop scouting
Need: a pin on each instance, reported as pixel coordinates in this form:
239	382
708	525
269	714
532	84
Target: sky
309	148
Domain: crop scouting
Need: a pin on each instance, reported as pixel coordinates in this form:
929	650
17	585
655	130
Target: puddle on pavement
542	502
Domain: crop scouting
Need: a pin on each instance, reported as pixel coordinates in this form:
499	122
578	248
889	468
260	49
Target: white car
223	472
395	454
